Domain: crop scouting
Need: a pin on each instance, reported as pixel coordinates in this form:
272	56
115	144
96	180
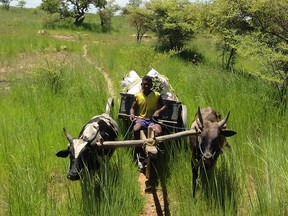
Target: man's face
146	85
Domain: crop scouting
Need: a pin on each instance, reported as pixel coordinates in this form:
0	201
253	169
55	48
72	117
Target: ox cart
174	118
101	131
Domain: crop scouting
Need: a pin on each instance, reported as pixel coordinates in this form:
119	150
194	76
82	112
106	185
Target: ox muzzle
78	164
208	156
74	170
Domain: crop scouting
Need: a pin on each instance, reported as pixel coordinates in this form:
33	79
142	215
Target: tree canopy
171	21
140	18
251	29
78	8
6	3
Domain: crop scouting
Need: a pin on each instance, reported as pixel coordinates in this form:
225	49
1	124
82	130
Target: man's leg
136	131
157	129
139	153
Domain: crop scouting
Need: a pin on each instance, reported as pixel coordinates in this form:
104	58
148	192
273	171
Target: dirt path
102	70
154	201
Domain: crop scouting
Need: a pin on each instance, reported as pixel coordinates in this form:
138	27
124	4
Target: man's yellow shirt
147	104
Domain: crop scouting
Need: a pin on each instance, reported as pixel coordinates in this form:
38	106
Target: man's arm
162	106
132	110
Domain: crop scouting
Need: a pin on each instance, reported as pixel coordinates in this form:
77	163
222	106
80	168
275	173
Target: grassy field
48	82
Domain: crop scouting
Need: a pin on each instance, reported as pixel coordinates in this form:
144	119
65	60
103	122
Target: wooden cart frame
174	117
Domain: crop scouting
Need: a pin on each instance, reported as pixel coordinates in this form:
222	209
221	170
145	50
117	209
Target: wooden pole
134	143
151	152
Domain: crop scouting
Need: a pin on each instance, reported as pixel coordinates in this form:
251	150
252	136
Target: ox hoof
149	188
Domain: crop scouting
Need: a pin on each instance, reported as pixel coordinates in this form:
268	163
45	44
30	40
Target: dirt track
102	70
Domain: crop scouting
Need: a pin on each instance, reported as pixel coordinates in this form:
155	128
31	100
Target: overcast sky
35	3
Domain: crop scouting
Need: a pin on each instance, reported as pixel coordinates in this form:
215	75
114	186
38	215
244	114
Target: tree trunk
139	37
282	88
230	62
6	6
79	19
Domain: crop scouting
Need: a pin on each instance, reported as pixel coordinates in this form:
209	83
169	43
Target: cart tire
109	105
184	116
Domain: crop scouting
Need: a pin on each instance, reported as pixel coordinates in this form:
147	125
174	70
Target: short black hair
148	79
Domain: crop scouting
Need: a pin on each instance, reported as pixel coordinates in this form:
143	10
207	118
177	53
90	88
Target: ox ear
63	153
228	133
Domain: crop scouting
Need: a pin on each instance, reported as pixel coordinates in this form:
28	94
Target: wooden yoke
150	149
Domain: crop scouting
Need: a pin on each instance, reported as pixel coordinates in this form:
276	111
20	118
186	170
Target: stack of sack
132	83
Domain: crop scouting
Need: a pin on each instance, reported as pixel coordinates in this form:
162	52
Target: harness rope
127	131
169	126
154	143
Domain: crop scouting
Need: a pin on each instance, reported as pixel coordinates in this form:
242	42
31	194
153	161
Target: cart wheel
184	116
109	105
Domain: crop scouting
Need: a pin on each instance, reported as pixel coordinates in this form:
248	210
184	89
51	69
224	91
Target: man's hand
156	114
132	117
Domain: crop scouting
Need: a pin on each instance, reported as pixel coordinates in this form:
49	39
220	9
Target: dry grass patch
24	64
64	37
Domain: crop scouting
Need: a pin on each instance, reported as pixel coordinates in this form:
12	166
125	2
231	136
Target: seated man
147	104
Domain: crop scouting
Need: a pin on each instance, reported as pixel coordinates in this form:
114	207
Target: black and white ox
207	146
83	151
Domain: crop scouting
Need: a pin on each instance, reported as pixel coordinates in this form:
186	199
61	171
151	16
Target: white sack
164	80
131	77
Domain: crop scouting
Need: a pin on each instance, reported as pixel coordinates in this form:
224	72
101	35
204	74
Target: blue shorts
144	122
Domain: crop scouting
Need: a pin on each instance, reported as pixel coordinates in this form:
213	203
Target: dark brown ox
207	146
82	150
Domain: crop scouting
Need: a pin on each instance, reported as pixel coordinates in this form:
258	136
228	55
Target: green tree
79	8
131	3
135	3
21	3
6	4
270	20
50	6
140	18
226	19
55	9
173	22
106	9
67	8
256	30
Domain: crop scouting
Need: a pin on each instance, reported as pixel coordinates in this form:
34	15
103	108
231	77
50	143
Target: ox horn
200	118
68	136
223	122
